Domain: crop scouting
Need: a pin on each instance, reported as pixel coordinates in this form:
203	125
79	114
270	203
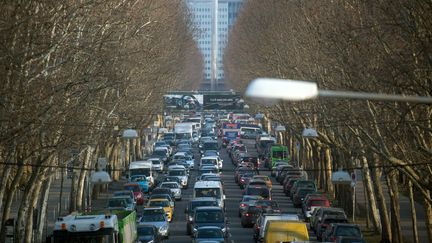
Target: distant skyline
202	18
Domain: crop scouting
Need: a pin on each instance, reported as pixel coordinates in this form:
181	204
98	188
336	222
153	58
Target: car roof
153	208
158	199
210	157
207	184
201	199
209	227
205	208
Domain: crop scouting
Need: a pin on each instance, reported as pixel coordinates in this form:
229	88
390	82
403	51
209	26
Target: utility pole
214	64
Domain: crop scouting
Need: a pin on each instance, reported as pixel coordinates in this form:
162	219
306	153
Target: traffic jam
213	177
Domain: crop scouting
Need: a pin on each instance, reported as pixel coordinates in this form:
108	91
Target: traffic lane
233	194
178	224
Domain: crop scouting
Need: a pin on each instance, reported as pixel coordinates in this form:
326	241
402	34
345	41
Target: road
233	192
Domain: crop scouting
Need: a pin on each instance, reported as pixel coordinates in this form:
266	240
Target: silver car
174	187
156	216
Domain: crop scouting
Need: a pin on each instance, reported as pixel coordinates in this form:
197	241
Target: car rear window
348	231
259	191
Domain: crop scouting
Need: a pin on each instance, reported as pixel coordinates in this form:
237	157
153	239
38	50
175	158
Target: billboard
183	101
204	100
223	102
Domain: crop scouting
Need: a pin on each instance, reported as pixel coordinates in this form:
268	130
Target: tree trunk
4	184
413	212
73	191
138	150
22	226
368	187
385	222
8	200
81	179
317	166
328	170
428	211
392	184
43	210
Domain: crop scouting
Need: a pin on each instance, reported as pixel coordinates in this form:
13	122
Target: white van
210	189
142	167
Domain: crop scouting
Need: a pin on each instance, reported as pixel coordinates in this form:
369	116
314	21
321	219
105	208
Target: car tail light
242	205
139	195
247	214
333	238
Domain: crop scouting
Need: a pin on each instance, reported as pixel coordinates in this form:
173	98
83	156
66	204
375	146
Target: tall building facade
202	12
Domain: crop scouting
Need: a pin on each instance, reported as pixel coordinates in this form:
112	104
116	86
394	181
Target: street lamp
295	90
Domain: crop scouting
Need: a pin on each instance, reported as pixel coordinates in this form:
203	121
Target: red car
137	191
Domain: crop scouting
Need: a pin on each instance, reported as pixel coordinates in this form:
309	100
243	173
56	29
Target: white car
157	164
180	172
211	160
174	187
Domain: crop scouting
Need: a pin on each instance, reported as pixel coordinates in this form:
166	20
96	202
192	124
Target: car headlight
224	229
195	230
190	218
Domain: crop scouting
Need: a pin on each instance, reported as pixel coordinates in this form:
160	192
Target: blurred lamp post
128	134
294	90
280	129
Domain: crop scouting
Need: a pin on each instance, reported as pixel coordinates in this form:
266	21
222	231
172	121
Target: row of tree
373	46
73	75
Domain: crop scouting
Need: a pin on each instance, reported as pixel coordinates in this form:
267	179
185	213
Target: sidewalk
405	211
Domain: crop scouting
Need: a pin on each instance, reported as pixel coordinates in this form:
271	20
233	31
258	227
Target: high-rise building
202	12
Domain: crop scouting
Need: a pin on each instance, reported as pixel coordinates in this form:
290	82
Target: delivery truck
110	227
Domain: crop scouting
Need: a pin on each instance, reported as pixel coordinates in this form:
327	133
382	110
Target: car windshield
249	199
159	204
176	173
153	217
209	233
160	196
208	161
141	231
279	154
303	193
138	178
179	157
155	162
259	191
210	146
207	192
348	231
211	216
168	136
117	203
266	203
169	185
159	153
